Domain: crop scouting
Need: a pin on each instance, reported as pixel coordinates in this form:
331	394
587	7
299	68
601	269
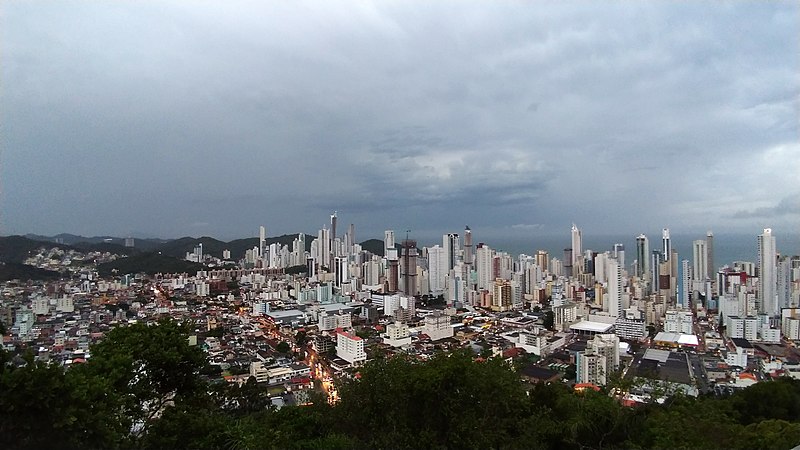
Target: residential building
350	347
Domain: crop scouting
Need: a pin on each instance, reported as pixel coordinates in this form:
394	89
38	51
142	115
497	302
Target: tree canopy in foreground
143	388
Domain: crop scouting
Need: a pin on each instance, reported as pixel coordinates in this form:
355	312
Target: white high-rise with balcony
767	275
437	268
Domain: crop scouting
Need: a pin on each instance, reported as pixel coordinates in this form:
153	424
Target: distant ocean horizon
727	247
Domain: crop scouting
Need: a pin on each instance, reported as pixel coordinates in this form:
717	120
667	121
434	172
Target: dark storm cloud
191	117
788	206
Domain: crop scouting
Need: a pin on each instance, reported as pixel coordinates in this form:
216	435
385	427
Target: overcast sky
212	118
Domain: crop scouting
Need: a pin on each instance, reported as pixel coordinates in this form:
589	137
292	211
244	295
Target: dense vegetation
143	388
14	271
15	249
150	263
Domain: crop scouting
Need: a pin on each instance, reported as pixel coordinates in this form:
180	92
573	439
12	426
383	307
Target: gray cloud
398	114
788	206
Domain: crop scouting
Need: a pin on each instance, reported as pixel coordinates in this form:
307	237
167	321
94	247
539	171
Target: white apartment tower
615	287
484	260
767	276
389	249
437	268
576	246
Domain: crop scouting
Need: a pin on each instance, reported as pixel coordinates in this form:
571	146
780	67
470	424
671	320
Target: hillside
179	247
214	247
16	249
109	247
149	263
375	246
15	271
143	245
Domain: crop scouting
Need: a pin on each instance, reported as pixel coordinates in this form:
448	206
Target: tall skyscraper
699	260
437	268
642	256
389	249
784	282
614	287
408	267
710	269
340	271
684	284
262	240
484	266
469	255
655	263
324	248
351	235
666	244
619	253
576	246
451	246
388	240
333	235
767	275
543	260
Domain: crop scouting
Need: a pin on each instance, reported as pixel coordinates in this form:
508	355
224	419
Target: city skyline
514	119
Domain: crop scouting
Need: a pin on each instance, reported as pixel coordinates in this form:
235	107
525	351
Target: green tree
146	368
447	402
301	338
778	399
283	347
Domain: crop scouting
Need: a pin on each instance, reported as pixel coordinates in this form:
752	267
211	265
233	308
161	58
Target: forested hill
149	263
142	388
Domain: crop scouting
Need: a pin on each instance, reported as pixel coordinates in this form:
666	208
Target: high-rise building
388	243
784	282
324	248
437	265
484	266
666	244
333	235
642	256
655	263
684	284
767	276
619	254
408	267
341	270
542	260
576	246
351	237
599	360
710	269
699	259
469	255
262	241
614	287
450	244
